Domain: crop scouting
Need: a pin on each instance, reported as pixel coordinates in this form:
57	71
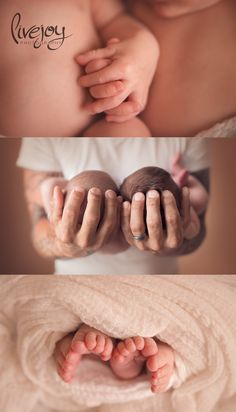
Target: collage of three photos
117	176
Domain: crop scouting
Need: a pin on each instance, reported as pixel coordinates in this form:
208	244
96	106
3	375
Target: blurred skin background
216	255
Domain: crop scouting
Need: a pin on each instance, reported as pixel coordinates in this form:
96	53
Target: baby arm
198	194
119	75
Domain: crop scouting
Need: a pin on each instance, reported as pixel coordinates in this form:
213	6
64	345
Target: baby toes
152	363
150	348
160	378
120	352
108	348
139	342
130	345
123	351
90	340
100	344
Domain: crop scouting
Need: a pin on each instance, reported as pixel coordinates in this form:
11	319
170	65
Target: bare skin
58	104
127	358
195	83
72	347
53	106
132	355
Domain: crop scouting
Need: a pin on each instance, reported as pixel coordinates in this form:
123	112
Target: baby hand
178	172
118	77
198	194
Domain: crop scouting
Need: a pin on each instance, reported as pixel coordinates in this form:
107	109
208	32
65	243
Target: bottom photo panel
162	343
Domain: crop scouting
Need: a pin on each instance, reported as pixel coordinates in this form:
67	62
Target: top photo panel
104	68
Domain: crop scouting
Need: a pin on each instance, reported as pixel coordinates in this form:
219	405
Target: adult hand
147	233
113	73
75	239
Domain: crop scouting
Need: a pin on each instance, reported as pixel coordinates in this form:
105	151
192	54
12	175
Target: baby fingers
110	73
96	65
84	58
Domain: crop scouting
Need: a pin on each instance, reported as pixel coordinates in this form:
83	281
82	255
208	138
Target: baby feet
161	367
71	348
131	355
127	359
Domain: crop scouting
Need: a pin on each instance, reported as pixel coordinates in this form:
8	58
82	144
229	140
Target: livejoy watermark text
53	37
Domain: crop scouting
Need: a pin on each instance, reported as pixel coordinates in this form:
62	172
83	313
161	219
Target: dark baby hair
150	178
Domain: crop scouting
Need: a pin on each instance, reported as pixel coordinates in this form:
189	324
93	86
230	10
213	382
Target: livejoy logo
53	37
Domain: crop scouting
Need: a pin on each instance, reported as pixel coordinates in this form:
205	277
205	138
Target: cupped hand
96	228
145	230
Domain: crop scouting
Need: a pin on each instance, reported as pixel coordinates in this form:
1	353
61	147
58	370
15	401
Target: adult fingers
154	221
96	65
108	74
125	222
70	215
137	224
185	208
57	204
127	108
87	233
109	221
107	90
102	53
174	227
102	105
120	119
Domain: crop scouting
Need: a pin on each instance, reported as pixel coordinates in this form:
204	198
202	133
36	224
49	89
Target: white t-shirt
119	157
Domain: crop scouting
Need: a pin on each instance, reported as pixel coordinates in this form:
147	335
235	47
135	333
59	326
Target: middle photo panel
113	205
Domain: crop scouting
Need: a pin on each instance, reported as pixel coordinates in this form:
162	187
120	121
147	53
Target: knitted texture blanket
196	315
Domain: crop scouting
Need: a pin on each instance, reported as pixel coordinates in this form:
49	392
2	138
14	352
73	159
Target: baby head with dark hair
150	178
87	180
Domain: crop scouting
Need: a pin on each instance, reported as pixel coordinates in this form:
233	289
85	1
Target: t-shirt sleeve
196	155
38	154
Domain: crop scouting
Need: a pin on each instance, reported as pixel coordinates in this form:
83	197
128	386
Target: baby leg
131	128
72	347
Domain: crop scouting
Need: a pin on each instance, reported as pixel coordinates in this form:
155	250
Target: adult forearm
125	27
